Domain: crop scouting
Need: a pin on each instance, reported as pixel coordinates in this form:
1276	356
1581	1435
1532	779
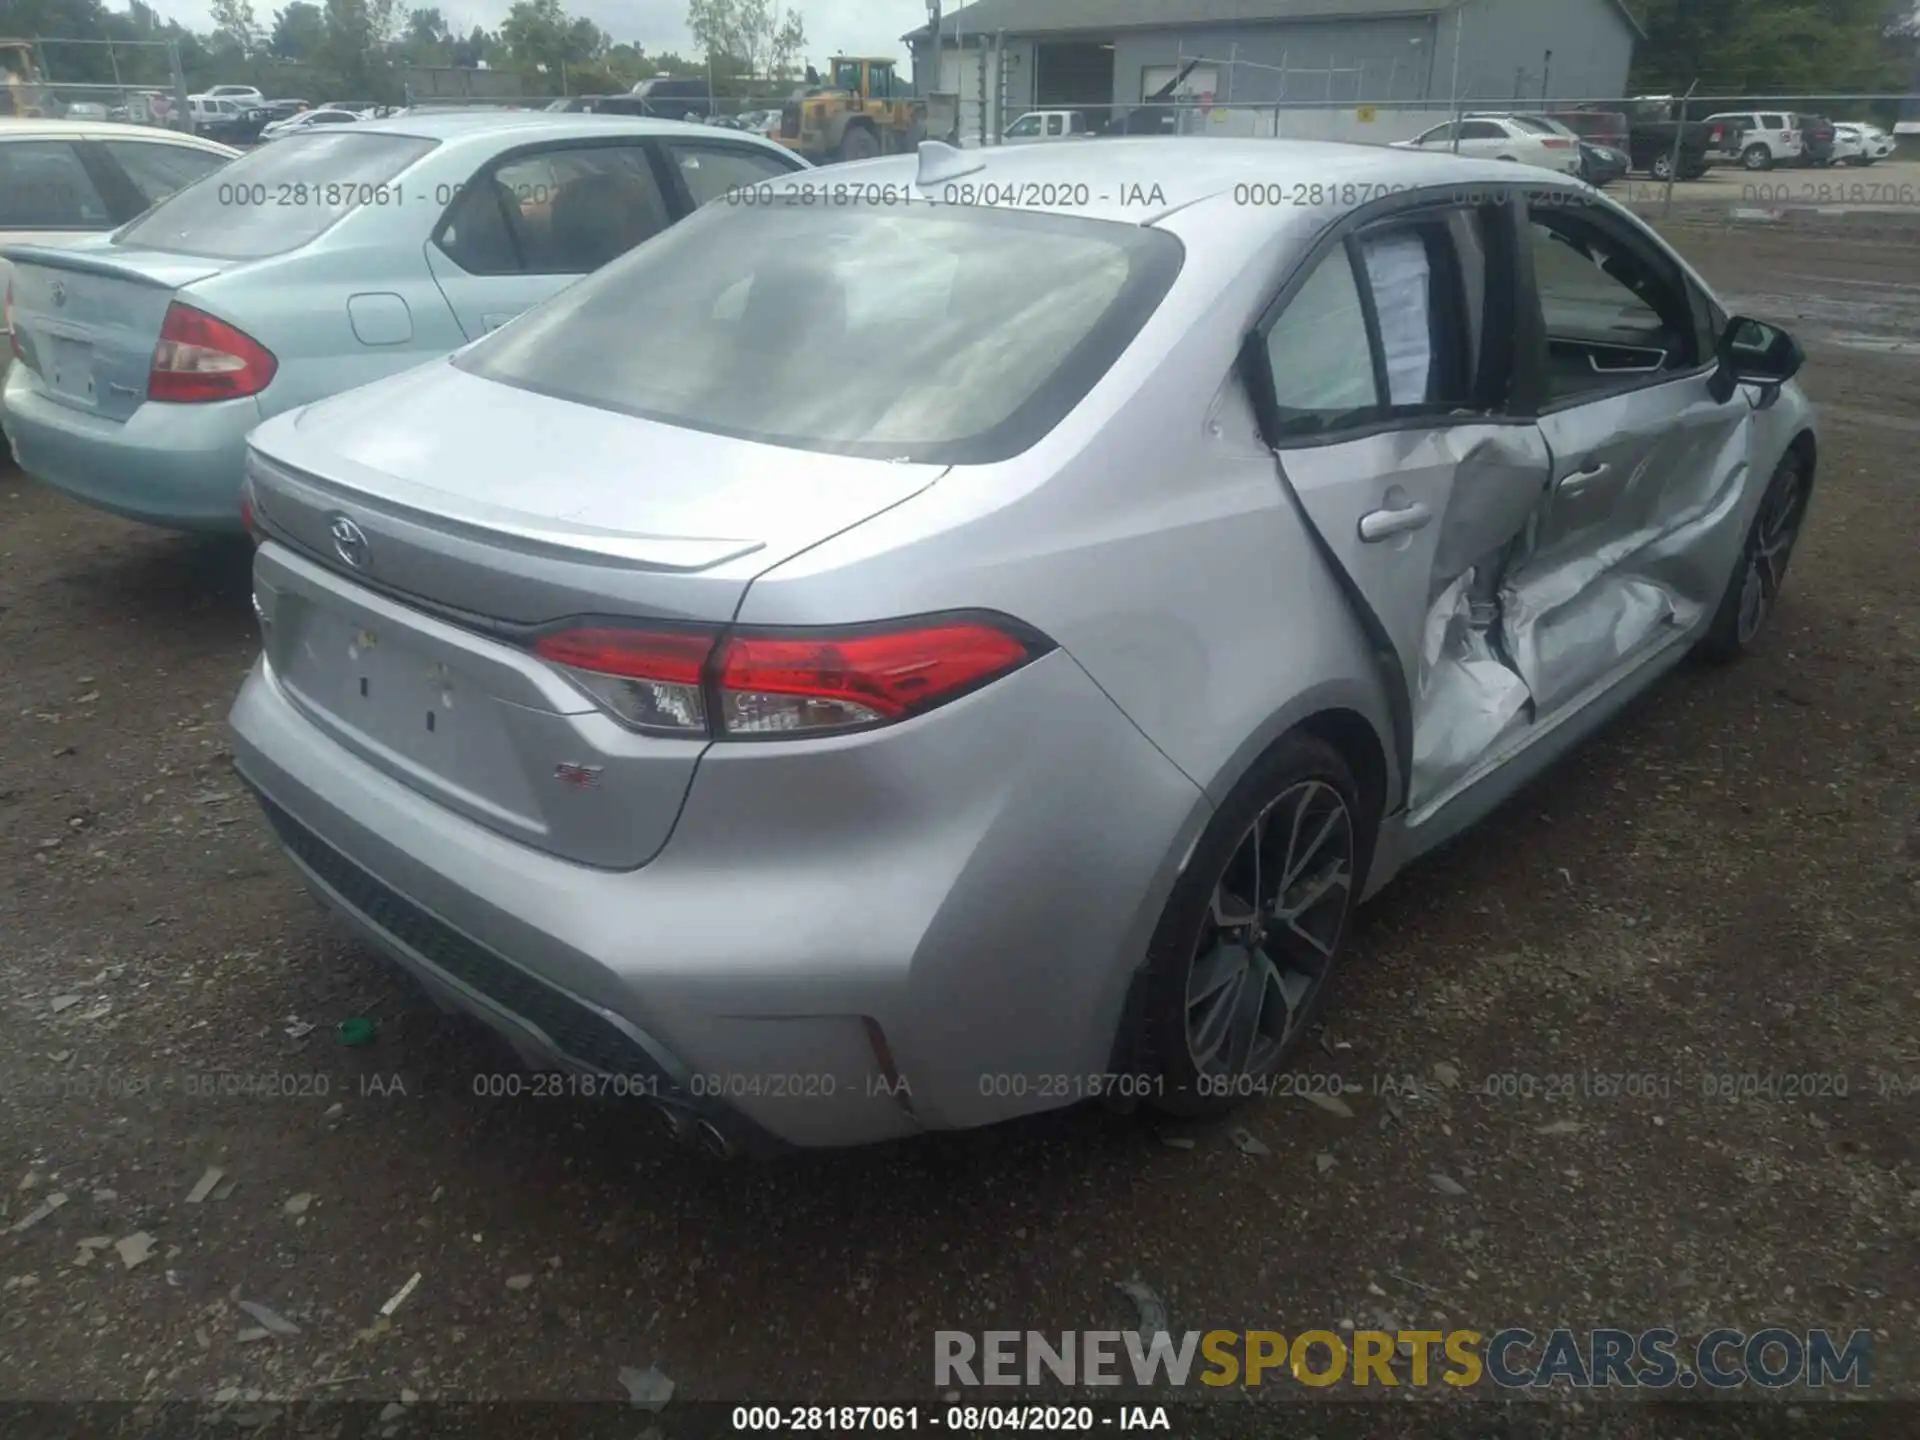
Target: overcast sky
848	26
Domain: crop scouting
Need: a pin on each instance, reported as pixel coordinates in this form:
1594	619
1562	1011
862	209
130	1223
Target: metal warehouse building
1017	55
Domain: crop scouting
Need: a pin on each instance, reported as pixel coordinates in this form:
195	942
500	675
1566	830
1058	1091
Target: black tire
1757	157
1190	932
859	143
1762	566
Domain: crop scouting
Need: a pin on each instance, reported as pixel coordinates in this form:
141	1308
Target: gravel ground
1726	883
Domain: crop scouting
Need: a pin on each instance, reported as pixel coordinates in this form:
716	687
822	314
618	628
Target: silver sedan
959	636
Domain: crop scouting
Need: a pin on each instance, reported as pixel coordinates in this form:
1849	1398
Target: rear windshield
276	198
950	335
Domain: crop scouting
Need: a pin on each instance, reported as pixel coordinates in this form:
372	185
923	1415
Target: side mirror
1754	353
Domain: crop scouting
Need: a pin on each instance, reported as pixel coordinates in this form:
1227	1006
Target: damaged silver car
838	753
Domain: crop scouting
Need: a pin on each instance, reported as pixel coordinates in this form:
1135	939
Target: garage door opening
1074	75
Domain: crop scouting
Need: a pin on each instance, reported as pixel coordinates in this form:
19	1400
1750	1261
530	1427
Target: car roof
19	128
528	125
1115	178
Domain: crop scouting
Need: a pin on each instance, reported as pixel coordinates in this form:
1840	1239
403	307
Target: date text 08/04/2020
953	1419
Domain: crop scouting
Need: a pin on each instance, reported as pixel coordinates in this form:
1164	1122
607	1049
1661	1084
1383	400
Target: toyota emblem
59	293
349	541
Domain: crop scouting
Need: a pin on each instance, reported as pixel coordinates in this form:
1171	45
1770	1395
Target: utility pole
1459	25
1546	77
932	84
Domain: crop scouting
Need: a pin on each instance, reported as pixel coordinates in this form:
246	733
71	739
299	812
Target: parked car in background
218	117
246	95
676	97
148	107
1861	144
620	621
601	105
62	181
86	110
1601	165
1603	127
1849	146
758	122
1654	125
316	263
1816	140
305	121
273	111
1039	126
1501	137
1759	139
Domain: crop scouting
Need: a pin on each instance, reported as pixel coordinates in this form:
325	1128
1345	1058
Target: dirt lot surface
1726	884
1891	185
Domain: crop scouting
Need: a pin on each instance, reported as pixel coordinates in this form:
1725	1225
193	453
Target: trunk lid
89	318
473	514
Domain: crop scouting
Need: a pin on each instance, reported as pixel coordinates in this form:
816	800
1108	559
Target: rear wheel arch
1357	727
1808	449
1350	733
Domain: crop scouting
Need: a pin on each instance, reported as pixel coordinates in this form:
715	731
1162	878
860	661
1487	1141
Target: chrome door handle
1580	479
1385	524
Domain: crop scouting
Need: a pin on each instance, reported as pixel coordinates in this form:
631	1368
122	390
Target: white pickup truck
1038	126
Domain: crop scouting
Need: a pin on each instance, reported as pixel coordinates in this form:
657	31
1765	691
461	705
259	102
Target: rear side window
1481	130
1319	354
43	186
1395	322
276	198
555	212
157	170
993	324
710	171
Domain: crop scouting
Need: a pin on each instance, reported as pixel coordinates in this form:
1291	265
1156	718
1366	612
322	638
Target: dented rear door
1386	366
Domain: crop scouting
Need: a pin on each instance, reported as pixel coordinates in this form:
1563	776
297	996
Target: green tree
299	32
428	27
753	38
357	48
542	37
1786	47
235	28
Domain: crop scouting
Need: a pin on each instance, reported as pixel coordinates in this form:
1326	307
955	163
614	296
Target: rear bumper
177	466
958	902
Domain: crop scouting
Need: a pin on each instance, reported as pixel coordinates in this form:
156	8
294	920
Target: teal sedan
143	358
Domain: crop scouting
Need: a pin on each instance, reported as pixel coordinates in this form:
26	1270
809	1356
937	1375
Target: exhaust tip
713	1141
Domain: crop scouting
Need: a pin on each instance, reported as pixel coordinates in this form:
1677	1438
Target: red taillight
773	684
1557	144
200	358
650	679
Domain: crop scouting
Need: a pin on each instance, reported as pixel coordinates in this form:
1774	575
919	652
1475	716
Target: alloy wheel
1771	547
1267	943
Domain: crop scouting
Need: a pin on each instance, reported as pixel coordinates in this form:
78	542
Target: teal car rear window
275	199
